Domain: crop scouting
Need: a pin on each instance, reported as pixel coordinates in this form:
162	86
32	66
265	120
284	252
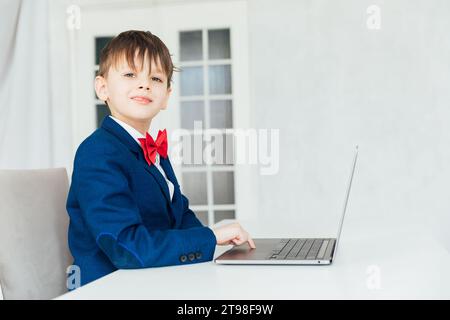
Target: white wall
328	82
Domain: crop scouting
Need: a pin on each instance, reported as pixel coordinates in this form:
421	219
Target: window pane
191	81
192	111
219	44
222	215
229	149
102	111
194	187
221	148
192	150
221	114
223	186
191	46
100	43
202	216
220	79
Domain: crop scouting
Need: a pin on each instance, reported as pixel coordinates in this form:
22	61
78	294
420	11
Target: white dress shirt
136	135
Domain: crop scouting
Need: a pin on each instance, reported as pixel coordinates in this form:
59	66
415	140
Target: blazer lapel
120	133
177	202
115	129
157	175
167	166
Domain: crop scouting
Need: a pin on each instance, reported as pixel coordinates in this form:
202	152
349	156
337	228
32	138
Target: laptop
301	251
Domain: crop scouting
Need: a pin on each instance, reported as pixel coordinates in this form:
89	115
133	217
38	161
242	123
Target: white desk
411	265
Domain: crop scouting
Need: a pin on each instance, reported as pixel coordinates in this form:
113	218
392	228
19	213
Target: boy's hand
233	234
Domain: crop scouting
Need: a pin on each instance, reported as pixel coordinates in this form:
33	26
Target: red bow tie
152	147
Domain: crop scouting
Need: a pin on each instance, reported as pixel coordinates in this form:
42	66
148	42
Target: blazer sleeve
189	218
112	217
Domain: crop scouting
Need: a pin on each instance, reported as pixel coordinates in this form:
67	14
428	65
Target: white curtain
34	126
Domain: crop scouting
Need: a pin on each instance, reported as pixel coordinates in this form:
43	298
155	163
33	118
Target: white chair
34	252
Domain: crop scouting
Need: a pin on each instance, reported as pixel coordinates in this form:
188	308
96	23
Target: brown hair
129	43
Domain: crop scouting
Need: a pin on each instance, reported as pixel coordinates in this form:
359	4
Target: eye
157	79
129	75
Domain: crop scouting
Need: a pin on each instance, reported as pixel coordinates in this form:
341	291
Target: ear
166	99
101	88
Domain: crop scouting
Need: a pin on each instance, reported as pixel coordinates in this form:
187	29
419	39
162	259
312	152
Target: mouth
141	99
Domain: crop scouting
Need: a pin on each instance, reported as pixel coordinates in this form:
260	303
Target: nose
144	83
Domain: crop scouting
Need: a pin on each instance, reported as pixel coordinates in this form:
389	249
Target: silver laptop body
308	251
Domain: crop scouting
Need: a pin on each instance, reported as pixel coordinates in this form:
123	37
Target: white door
209	43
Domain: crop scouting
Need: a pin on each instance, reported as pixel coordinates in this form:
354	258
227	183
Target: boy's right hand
233	234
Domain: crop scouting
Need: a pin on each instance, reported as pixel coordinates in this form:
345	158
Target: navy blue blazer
121	214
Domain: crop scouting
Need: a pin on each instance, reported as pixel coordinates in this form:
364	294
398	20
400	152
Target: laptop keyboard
300	249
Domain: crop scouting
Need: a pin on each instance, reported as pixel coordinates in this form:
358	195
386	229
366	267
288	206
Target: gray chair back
34	252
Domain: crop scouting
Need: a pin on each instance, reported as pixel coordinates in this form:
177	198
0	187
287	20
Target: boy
125	205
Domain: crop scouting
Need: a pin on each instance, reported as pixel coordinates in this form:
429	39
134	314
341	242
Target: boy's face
134	97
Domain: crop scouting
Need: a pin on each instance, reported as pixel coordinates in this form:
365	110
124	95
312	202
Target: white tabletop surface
373	262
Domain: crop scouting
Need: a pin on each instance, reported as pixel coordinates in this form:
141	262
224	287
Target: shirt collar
132	132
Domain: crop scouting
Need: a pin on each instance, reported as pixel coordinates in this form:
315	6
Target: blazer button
183	258
191	256
198	255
